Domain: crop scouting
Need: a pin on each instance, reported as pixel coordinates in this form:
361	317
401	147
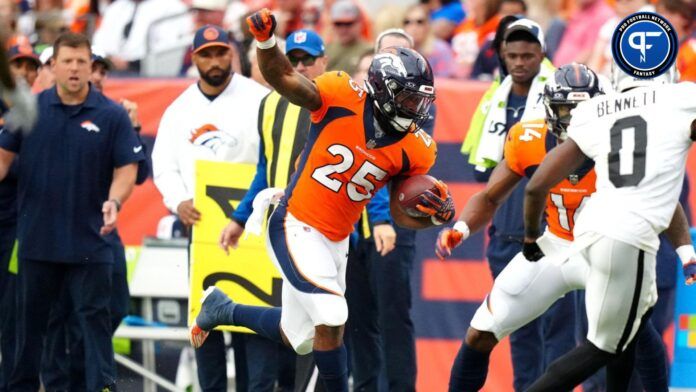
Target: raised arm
276	68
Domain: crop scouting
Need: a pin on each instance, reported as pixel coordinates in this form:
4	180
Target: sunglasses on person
414	21
344	24
307	60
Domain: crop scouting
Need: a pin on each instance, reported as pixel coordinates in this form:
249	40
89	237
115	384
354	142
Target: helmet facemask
407	108
558	117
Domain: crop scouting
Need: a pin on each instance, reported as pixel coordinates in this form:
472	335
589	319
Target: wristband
463	228
686	253
118	204
267	44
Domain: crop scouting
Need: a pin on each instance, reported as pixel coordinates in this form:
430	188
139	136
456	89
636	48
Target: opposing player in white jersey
525	290
638	138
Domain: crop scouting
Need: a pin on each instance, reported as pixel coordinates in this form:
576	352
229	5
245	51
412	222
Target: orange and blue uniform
345	162
526	146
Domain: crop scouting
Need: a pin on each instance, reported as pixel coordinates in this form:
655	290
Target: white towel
262	201
490	148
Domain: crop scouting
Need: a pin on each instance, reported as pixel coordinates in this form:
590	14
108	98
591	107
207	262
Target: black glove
531	251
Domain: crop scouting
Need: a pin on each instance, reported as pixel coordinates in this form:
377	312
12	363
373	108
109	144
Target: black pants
40	285
63	363
7	305
379	328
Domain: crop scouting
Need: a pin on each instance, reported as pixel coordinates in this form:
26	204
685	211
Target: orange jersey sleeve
336	89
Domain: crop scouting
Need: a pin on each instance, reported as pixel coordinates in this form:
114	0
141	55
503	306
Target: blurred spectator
24	63
488	61
681	14
360	75
601	58
393	38
581	32
553	15
126	33
288	15
437	51
9	13
48	26
390	16
348	45
512	7
445	15
208	12
471	34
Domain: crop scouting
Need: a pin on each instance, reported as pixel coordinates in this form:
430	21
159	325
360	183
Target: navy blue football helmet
570	85
400	82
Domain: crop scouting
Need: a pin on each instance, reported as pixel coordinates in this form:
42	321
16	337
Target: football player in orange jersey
359	141
524	290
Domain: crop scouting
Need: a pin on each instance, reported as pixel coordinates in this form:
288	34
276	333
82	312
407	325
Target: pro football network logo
644	45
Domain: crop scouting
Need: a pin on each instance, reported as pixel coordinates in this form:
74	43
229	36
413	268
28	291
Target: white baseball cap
46	55
210	5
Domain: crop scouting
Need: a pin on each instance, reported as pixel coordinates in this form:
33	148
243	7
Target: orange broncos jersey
526	146
345	162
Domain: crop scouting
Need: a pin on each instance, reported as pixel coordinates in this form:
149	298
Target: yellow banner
247	275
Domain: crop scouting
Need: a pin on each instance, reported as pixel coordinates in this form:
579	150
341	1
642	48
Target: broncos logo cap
210	35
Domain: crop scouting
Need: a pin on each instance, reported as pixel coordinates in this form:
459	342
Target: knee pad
305	347
483	319
333	312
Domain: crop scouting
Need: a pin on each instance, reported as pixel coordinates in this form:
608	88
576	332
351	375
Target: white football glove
23	108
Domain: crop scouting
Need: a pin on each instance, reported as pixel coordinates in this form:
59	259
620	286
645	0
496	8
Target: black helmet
571	84
400	81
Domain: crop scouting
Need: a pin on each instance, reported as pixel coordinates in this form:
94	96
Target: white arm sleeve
165	166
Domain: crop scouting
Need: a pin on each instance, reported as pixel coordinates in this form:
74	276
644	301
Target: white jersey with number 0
639	141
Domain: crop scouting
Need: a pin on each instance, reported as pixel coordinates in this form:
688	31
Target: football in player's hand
410	190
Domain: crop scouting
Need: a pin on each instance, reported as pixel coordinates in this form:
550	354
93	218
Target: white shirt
193	128
639	141
142	37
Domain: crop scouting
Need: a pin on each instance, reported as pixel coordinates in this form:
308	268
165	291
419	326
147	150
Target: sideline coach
77	166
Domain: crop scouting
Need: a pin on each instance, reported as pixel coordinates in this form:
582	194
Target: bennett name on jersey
611	106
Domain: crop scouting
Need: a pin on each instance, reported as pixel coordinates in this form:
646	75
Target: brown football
410	189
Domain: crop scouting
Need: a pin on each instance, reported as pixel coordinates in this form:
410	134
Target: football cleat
216	309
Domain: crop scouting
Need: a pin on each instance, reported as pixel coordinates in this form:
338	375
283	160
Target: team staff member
78	166
213	119
23	64
283	129
62	372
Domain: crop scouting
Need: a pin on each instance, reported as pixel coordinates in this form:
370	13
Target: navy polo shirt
65	171
8	188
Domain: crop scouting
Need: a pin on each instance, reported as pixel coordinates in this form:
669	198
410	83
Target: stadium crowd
460	39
